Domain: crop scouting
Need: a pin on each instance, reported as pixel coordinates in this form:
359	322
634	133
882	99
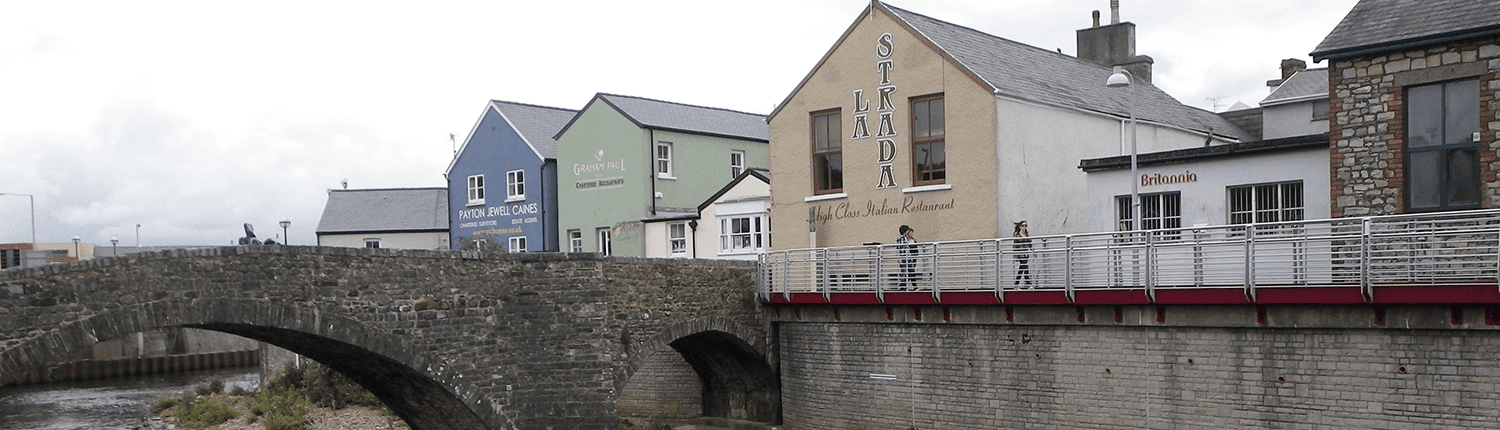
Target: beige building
957	133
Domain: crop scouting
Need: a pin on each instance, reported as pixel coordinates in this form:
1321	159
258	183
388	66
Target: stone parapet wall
1368	128
447	339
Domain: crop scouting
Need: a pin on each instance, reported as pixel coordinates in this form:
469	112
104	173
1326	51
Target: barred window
1158	211
1265	203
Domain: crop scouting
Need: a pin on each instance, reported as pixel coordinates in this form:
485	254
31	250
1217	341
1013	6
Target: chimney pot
1114	11
1096	19
1291	66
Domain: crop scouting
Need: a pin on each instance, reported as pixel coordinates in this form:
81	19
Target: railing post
1150	267
785	266
762	270
937	295
1250	262
1364	260
999	263
1068	265
827	276
879	280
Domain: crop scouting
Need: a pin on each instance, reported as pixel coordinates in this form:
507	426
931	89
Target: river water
116	403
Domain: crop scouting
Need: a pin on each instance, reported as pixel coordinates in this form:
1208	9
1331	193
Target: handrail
1360	253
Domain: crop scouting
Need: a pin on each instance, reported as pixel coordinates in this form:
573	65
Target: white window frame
755	237
372	242
605	245
515	186
677	239
736	163
1168	214
476	190
1247	203
517	244
575	240
664	160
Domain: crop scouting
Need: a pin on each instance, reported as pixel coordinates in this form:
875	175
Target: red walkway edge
1383	295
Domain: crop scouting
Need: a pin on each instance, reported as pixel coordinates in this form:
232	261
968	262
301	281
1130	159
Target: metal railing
1450	248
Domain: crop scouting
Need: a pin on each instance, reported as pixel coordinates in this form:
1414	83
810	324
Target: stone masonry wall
1368	127
955	376
512	340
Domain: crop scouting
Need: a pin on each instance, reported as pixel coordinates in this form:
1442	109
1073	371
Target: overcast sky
192	118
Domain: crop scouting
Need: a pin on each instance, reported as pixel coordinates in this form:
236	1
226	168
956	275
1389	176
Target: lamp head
1120	78
286	223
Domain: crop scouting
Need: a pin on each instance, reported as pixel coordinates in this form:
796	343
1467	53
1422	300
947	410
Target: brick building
1413	107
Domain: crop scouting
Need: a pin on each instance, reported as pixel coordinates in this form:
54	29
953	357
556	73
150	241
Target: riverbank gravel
350	418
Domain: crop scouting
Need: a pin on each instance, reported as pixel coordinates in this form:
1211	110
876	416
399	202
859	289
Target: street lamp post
285	240
32	200
114	245
137	238
77	252
1123	78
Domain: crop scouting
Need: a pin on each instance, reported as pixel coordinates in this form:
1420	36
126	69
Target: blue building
502	184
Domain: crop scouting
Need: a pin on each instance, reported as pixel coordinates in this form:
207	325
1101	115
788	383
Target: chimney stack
1289	67
1113	45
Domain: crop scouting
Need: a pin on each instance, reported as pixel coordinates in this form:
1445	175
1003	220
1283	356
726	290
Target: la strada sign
907	205
885	112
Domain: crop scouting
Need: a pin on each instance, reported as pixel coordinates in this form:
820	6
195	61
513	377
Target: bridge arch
736	378
417	387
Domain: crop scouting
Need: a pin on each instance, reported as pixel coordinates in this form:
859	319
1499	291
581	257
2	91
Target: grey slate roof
662	115
385	210
1026	72
537	124
1381	25
1239	149
762	174
1304	85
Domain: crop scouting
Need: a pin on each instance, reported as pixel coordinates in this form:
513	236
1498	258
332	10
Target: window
517	244
677	238
929	160
664	160
1158	211
742	234
604	246
1320	110
476	190
575	240
372	243
10	258
736	163
827	153
1442	166
515	185
1265	203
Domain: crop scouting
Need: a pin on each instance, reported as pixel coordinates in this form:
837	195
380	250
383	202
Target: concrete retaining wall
99	369
843	375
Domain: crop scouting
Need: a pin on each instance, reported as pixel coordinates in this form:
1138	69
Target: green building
627	161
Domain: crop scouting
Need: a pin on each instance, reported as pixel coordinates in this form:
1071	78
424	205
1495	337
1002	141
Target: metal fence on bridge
1360	254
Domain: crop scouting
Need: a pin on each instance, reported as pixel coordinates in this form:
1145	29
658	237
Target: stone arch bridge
448	340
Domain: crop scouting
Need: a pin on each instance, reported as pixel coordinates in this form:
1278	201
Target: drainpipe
651	172
543	180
